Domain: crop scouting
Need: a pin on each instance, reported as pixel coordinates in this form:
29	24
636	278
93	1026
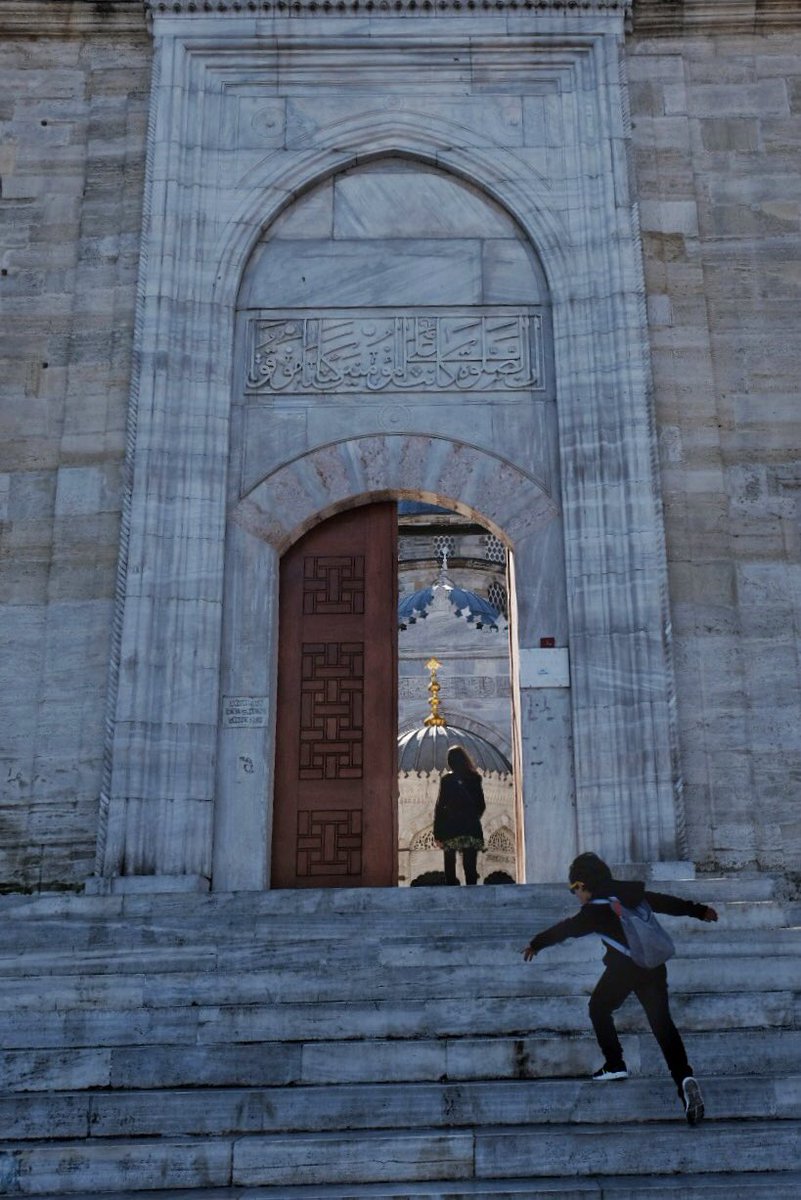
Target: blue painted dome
415	606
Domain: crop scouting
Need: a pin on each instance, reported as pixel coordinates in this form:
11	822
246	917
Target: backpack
649	944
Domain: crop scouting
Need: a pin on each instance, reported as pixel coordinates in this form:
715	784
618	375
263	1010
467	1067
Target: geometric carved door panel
334	808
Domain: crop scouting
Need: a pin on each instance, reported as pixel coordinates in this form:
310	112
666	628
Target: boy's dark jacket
600	918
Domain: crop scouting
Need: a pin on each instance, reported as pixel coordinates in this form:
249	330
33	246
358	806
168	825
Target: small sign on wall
544	668
244	712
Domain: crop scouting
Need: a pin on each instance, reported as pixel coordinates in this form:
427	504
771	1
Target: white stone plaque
244	712
544	668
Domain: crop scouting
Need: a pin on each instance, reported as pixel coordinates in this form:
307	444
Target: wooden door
335	800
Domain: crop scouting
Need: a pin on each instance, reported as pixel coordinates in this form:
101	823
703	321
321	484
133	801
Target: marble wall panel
245	761
495	118
413	204
471	420
312	218
510	273
359	274
546	752
269	438
538	449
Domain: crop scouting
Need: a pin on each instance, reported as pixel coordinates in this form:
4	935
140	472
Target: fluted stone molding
218	177
387	8
665	18
121	580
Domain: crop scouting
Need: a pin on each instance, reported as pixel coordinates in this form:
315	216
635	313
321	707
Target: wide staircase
384	1043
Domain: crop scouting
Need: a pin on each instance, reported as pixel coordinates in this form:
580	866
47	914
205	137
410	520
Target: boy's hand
529	952
709	914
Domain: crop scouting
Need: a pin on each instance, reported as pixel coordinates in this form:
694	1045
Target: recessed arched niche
393	339
393	296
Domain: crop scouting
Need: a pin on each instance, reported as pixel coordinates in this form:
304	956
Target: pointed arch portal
406	296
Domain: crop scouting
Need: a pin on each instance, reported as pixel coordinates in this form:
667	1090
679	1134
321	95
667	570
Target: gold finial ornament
434	718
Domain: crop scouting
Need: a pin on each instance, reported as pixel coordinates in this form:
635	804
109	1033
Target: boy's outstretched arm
577	926
673	906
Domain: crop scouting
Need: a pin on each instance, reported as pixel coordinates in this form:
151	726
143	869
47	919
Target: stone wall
73	111
716	153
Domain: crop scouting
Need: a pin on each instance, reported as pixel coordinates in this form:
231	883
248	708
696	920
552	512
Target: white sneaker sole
693	1101
610	1076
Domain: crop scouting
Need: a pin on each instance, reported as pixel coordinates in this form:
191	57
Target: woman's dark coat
459	807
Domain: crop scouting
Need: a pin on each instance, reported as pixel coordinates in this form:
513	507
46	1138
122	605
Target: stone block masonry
74	87
716	141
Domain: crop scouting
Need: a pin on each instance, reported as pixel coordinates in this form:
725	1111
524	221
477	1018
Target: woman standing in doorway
457	816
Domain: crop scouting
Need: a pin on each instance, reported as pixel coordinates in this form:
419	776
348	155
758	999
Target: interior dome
424	750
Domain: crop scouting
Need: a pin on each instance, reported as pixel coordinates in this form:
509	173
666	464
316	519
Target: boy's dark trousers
619	980
469	861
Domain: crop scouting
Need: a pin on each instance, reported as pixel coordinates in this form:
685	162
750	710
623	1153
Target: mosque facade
270	270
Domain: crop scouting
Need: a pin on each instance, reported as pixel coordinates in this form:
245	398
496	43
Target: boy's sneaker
619	1072
693	1100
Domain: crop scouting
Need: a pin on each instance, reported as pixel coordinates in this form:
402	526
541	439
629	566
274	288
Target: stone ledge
144	885
676	18
71	18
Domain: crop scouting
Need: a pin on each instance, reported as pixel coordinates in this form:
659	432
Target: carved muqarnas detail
424	840
490	350
329	843
501	845
333	585
332	710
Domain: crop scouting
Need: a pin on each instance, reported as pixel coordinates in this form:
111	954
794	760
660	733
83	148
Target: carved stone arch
331	478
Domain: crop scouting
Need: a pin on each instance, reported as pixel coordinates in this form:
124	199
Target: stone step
552	975
282	909
398	947
356	1019
203	1112
775	1185
405	949
488	1153
347	901
251	1045
267	1064
81	922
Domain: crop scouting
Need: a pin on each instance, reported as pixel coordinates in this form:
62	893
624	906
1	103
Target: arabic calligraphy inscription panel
305	353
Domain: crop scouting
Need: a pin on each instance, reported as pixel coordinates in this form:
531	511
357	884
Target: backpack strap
615	905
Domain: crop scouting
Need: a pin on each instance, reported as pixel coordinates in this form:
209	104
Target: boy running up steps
606	905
